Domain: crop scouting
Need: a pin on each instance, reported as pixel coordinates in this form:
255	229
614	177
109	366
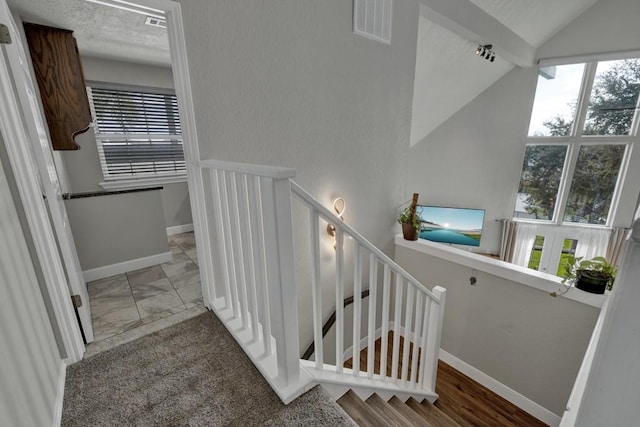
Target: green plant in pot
410	220
592	275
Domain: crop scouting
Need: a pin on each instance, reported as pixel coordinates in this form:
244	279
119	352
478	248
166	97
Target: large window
582	124
138	133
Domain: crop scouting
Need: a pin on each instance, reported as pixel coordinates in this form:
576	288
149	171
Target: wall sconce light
339	206
486	52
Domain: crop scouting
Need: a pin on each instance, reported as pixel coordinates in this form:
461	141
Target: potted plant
410	220
593	275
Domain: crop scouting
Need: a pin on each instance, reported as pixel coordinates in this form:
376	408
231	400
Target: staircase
250	261
461	402
375	411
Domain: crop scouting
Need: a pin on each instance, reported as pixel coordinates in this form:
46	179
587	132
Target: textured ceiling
100	30
534	20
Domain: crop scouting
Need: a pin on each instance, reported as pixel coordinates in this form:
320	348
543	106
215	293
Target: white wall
117	228
448	75
612	388
474	159
83	166
31	371
518	335
287	83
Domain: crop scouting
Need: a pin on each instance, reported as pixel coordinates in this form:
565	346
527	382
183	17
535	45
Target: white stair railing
249	216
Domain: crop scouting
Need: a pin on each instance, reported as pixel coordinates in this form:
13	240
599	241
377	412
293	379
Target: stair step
360	412
386	411
431	413
408	413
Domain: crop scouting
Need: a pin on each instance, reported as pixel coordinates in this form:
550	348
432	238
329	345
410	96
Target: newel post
278	232
434	335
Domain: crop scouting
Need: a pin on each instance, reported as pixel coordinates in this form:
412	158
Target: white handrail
329	216
265	171
249	213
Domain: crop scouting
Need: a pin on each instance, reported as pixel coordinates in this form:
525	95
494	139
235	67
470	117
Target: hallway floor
144	297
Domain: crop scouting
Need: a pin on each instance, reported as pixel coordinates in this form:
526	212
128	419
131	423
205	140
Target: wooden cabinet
58	70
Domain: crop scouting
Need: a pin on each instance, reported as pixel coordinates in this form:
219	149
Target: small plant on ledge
595	275
410	220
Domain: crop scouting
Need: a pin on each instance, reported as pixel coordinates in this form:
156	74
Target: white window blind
138	133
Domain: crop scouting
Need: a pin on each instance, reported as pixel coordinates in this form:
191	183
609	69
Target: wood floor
462	402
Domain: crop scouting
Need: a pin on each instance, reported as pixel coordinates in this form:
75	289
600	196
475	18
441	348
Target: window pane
568	250
554	108
594	183
541	173
614	98
536	253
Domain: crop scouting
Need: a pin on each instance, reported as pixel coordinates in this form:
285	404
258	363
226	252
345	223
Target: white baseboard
502	390
177	229
125	267
57	412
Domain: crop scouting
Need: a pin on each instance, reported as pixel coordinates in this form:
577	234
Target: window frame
142	179
576	139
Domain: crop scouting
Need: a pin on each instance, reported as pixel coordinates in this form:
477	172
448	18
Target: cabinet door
58	70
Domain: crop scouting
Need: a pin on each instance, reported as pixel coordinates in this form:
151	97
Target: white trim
501	390
57	412
581	59
155	181
364	343
126	266
177	229
182	83
522	275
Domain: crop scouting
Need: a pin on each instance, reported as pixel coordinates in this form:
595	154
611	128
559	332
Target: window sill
141	182
525	276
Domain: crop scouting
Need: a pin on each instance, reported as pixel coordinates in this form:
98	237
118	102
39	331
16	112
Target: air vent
372	19
155	22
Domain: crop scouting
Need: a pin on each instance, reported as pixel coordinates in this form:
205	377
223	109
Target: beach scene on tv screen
451	225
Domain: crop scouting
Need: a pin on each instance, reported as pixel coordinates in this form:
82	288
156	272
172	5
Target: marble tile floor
143	297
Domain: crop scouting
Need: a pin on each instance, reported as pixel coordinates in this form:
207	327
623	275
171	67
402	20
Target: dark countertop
69	196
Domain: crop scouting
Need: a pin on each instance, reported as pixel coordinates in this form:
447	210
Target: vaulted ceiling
448	73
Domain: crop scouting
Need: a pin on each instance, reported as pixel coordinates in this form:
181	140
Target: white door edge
24	167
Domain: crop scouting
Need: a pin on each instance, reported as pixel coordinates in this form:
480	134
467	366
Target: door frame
24	167
23	164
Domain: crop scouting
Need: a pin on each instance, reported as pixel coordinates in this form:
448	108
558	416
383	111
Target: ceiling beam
472	23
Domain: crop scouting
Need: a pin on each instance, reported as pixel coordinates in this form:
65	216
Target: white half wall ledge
125	267
474	24
178	229
522	275
522	402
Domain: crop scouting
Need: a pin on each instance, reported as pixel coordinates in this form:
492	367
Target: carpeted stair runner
190	374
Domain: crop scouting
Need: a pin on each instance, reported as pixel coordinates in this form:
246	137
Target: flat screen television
458	226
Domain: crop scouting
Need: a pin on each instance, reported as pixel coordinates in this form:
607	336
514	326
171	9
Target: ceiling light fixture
486	52
131	7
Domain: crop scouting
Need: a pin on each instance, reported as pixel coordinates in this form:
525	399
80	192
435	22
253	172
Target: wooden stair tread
386	411
408	413
359	411
430	413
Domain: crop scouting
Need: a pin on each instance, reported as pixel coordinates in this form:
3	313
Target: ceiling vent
155	22
372	19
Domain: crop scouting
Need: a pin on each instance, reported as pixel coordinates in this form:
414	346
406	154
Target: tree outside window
609	108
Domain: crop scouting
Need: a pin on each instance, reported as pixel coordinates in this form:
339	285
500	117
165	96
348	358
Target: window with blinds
138	133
